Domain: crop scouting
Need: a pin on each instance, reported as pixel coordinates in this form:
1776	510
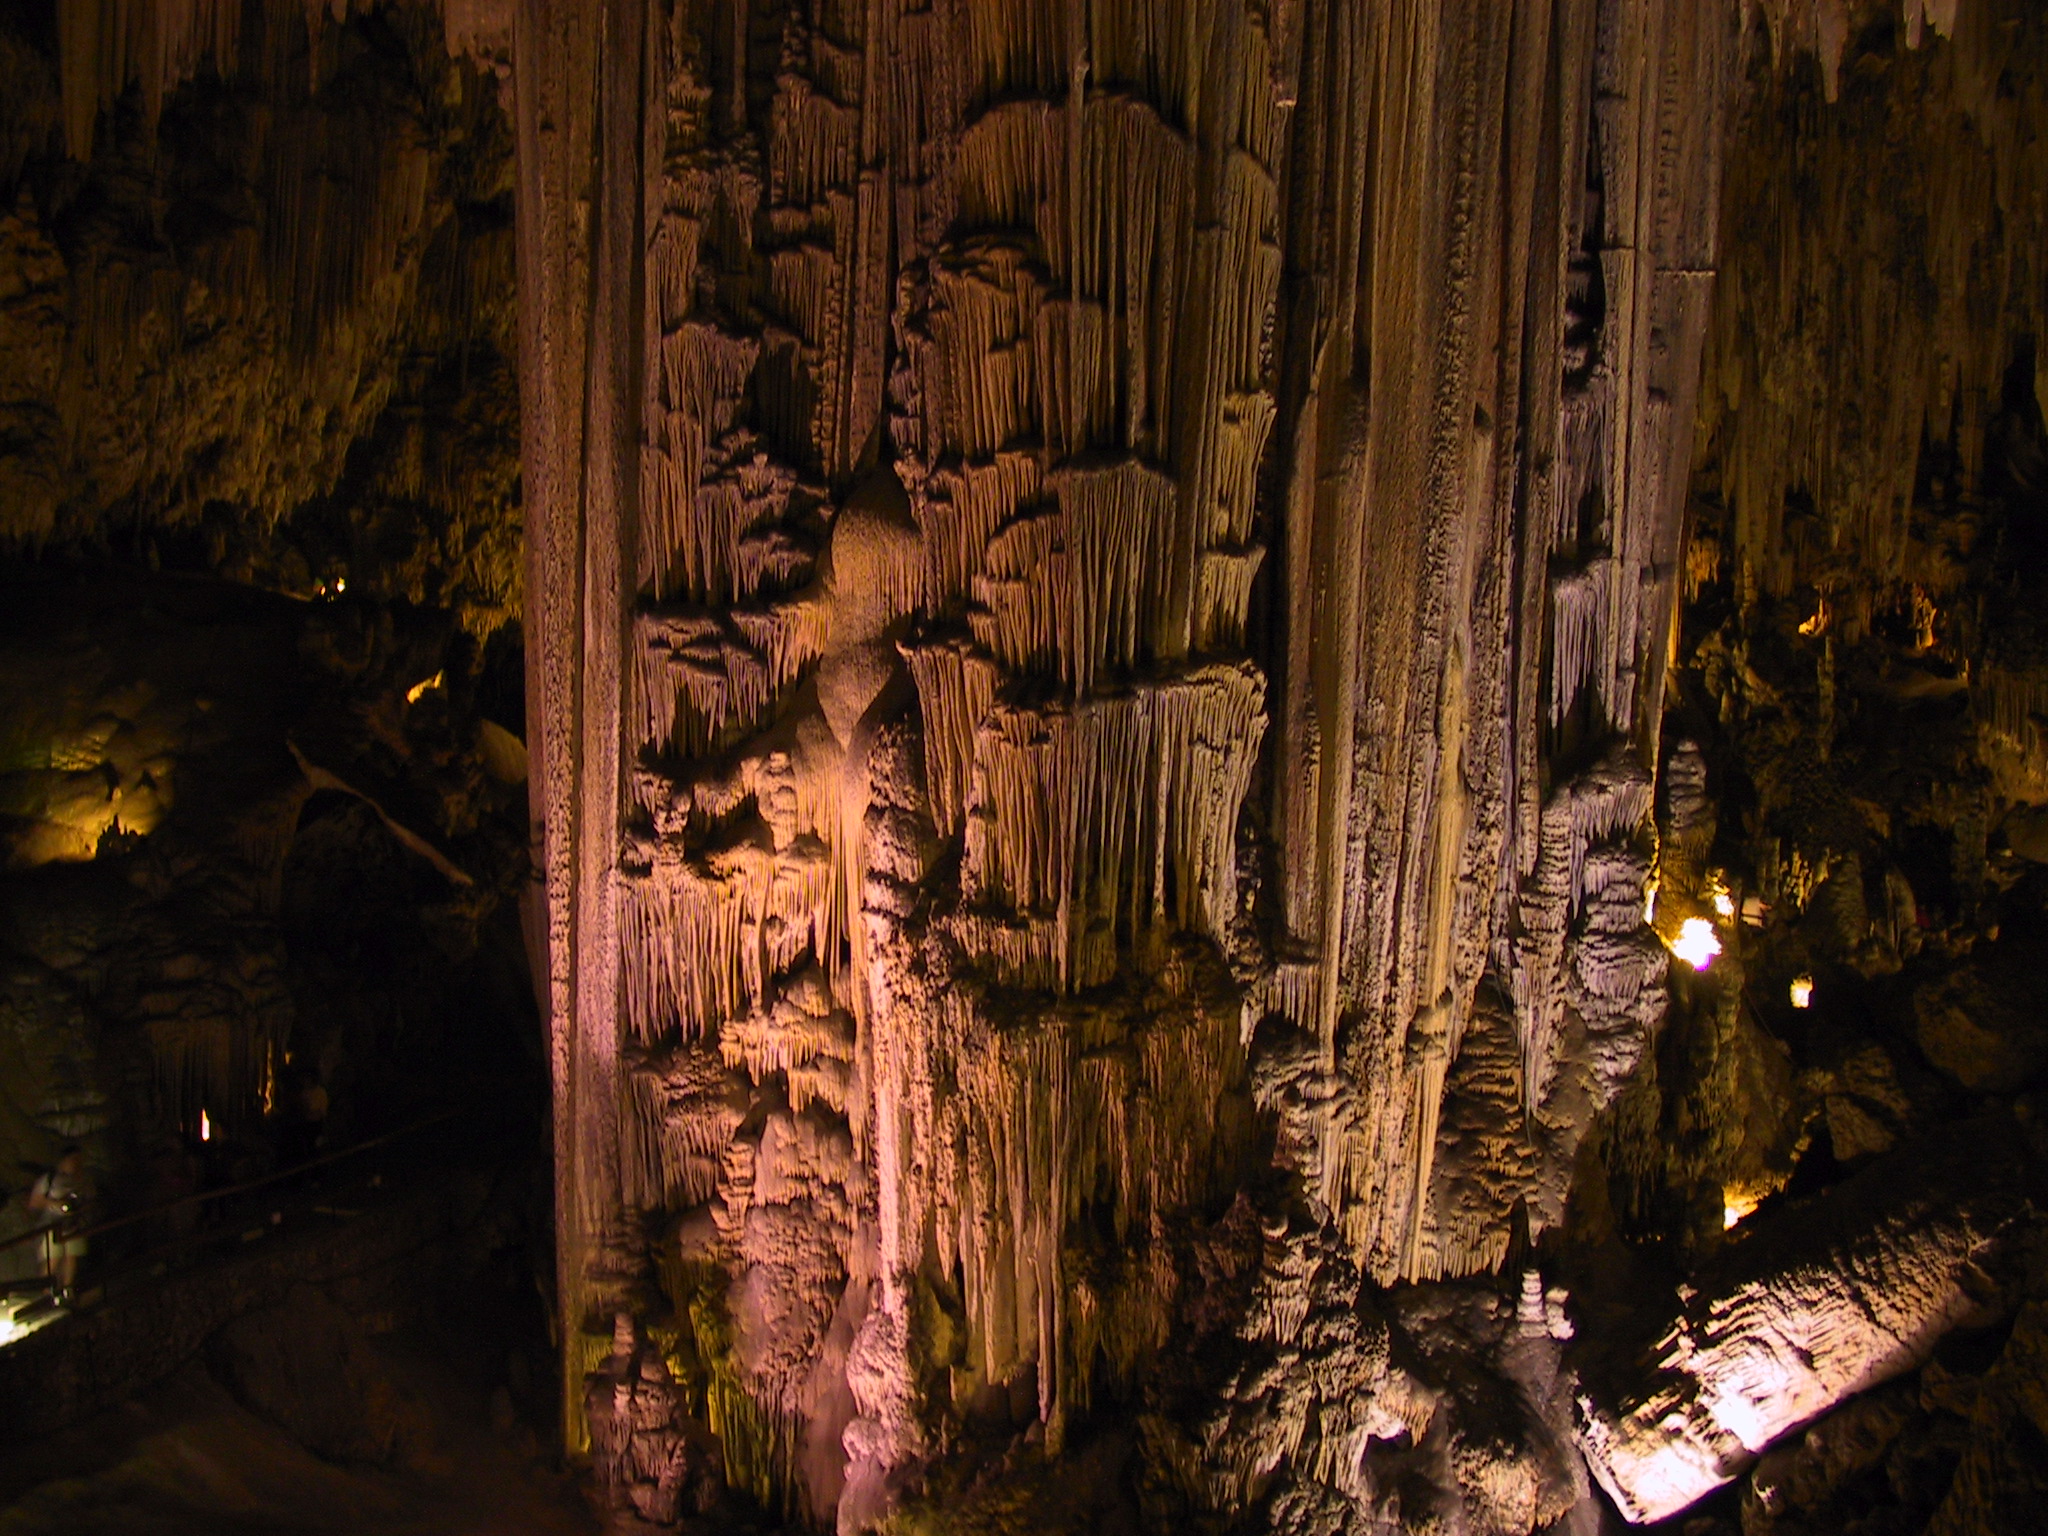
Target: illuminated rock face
1794	1321
1070	544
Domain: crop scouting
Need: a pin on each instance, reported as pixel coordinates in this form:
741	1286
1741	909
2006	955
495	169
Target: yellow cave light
418	690
13	1326
1697	943
1736	1205
1719	897
1802	992
1819	621
205	1127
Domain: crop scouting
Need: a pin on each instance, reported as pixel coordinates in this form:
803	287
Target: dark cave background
262	803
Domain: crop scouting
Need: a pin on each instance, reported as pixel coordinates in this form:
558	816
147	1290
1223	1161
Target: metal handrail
67	1234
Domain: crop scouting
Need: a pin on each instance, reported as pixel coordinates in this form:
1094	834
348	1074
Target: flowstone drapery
1103	575
1074	544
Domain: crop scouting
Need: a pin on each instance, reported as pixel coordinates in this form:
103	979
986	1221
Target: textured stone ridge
1823	1304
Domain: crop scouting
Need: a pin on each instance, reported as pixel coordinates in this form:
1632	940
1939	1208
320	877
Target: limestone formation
986	464
1242	714
1822	1305
653	1462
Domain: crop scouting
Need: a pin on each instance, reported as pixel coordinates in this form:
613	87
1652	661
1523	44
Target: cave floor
185	1458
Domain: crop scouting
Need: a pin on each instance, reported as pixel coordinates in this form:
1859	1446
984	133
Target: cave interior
1252	767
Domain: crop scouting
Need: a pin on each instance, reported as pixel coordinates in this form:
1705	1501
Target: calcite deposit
1067	542
1268	736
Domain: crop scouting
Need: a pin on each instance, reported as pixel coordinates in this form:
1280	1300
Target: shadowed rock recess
1288	758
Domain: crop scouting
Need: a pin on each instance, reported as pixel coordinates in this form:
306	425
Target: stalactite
1612	800
705	935
685	1107
1895	304
1081	1106
1115	816
240	316
1083	588
343	202
956	686
803	1037
701	676
1483	1163
709	482
958	508
107	45
2012	709
937	830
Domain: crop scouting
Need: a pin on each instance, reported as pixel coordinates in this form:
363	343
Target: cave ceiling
1288	764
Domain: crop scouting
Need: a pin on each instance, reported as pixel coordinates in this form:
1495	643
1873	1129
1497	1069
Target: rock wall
1100	585
257	316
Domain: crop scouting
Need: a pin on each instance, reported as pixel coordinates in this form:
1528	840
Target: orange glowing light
1736	1206
205	1127
1802	992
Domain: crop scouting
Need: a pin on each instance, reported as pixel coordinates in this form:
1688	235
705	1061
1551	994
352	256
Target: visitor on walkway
56	1201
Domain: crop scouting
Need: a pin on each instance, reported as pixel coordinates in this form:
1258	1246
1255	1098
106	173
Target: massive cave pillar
1504	240
579	113
952	433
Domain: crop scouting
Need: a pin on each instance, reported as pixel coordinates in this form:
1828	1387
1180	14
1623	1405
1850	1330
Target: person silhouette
56	1200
